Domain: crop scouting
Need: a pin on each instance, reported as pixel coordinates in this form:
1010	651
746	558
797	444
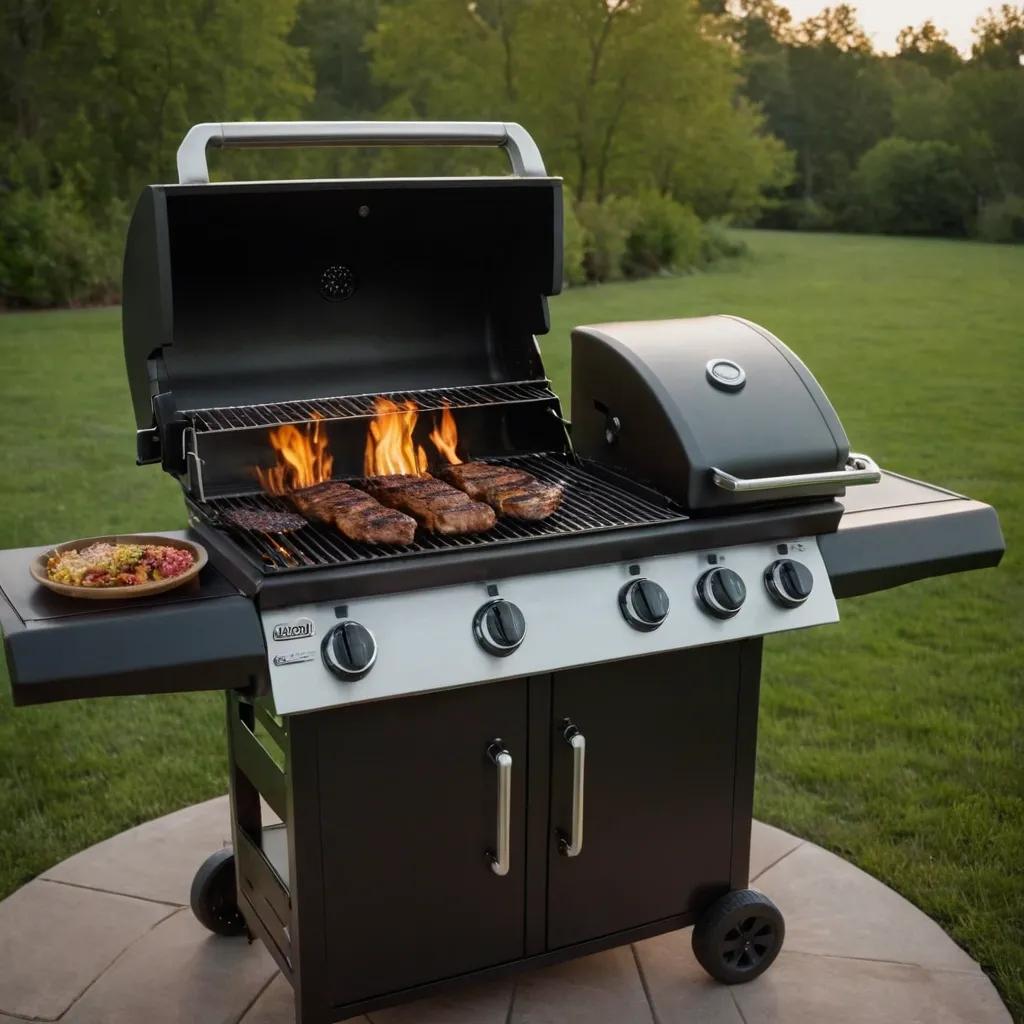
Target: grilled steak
511	492
265	520
355	513
437	506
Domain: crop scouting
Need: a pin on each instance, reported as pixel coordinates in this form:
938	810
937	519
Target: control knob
721	592
499	628
789	583
349	650
644	604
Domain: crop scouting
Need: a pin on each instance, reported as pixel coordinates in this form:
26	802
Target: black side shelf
202	636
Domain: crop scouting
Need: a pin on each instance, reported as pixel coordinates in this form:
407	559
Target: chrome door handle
571	845
860	469
503	759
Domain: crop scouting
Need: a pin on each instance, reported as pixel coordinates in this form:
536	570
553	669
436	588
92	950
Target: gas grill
464	740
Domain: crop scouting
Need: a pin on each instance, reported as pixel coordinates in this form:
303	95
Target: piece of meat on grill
437	506
511	492
263	519
355	513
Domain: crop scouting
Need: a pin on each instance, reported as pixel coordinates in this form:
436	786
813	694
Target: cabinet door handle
503	760
571	845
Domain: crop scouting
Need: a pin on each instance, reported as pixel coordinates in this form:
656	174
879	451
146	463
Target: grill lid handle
860	469
513	138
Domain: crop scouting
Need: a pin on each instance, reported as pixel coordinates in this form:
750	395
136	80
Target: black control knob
499	628
721	592
789	583
644	604
349	650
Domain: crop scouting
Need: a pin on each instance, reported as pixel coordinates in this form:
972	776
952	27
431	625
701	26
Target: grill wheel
213	897
738	937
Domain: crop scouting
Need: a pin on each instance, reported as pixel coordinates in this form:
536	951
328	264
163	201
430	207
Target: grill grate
246	417
590	504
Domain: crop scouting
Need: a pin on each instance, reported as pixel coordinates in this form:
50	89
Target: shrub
911	188
798	214
574	242
665	236
1002	221
608	226
717	244
52	253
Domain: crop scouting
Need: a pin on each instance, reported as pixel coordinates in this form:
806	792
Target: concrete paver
855	953
834	909
801	988
768	845
155	861
679	990
601	989
56	940
177	974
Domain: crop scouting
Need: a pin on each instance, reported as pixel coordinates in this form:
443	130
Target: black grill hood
250	293
714	412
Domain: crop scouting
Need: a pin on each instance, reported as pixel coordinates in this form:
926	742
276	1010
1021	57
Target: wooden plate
38	568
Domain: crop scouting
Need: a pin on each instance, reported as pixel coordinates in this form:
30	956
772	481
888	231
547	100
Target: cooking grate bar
590	503
248	417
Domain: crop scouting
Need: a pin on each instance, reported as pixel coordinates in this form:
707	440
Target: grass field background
895	738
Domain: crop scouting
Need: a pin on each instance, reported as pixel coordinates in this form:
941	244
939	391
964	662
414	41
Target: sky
882	19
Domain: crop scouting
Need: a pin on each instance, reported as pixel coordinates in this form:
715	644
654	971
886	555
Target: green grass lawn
895	738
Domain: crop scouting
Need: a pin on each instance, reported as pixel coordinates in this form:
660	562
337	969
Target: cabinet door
657	790
409	807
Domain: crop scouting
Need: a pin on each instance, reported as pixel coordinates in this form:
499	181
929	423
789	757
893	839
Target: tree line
667	118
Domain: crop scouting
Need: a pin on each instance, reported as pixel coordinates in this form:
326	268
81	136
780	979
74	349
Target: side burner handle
503	759
513	138
860	469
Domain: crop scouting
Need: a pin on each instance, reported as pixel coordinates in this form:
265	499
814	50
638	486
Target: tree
920	101
834	27
999	38
912	188
115	84
929	47
620	94
986	121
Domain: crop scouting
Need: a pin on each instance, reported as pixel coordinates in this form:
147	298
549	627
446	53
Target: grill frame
318	546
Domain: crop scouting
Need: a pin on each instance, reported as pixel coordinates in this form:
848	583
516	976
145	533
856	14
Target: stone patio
106	938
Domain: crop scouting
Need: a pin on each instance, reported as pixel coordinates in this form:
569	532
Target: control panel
370	648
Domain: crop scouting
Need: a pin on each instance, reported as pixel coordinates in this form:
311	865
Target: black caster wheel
213	897
738	937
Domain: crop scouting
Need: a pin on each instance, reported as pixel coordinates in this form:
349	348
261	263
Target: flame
303	458
389	444
446	437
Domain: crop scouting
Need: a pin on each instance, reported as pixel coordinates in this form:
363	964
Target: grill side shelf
203	636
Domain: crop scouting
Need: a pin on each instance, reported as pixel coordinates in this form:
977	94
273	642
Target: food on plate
355	513
118	565
511	492
264	519
437	506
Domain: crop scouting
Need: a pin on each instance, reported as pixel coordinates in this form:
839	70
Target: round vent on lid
337	283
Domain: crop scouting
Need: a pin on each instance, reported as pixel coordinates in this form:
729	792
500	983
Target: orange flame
389	444
446	437
303	459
